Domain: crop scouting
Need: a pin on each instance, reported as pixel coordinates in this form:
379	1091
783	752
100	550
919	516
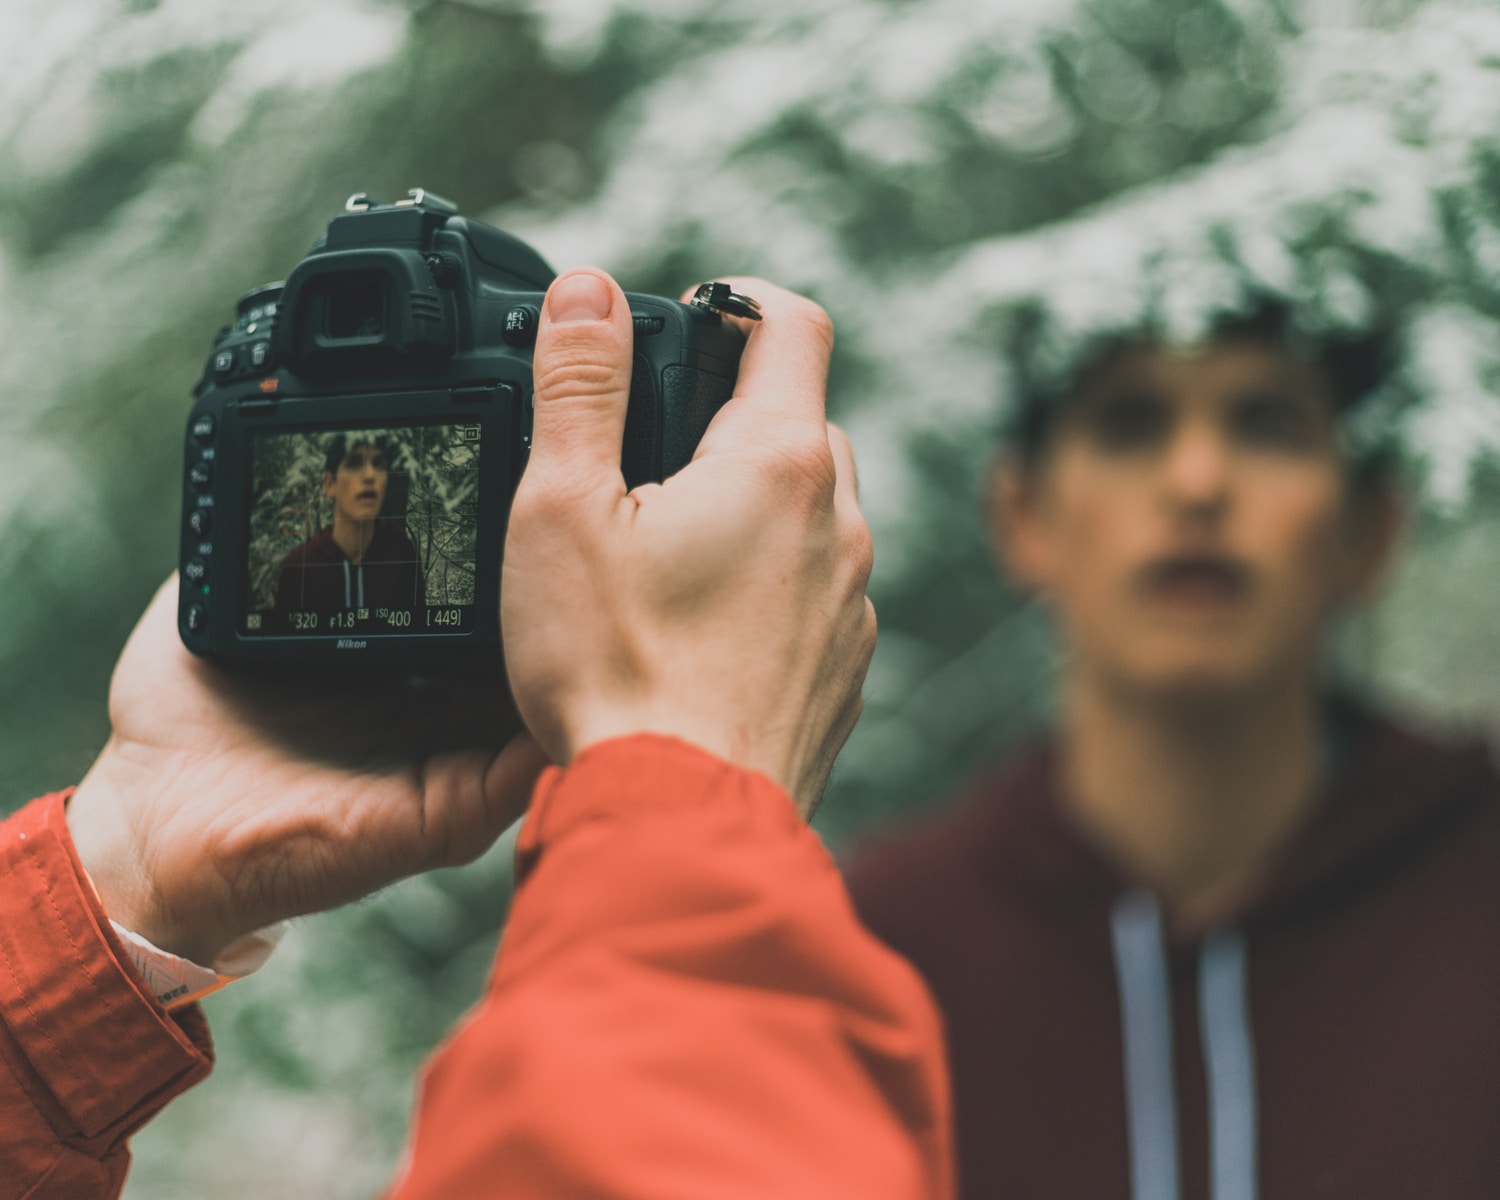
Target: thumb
581	371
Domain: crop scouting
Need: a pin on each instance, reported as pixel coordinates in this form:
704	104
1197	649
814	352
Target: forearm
88	1055
685	1006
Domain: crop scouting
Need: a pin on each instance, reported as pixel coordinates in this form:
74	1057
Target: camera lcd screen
362	532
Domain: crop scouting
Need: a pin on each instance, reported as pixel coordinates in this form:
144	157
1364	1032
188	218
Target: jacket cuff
622	779
99	1045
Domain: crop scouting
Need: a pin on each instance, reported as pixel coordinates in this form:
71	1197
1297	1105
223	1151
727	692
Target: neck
354	537
1191	798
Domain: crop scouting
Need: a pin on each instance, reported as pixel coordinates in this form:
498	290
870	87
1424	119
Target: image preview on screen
368	530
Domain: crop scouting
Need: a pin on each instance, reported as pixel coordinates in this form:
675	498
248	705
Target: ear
1016	523
1377	521
328	484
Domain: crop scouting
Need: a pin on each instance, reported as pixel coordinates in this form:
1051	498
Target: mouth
368	494
1196	582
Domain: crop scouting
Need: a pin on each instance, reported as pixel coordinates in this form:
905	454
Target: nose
1196	470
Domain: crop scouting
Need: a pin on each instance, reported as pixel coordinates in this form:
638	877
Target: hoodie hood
1389	789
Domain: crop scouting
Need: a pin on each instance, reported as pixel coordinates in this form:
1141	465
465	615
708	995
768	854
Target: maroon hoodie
319	576
1339	1038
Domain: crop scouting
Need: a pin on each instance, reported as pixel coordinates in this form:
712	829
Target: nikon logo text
351	644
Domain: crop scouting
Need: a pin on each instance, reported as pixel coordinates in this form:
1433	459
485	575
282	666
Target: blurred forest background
946	176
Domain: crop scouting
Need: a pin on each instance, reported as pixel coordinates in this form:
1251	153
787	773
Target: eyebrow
1288	387
1131	385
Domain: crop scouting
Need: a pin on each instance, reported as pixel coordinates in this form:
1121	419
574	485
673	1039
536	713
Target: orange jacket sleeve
684	1006
87	1055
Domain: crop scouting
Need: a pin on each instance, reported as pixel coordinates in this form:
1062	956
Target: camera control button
201	475
519	328
646	324
204	427
196	618
260	354
195	571
224	362
201	521
447	270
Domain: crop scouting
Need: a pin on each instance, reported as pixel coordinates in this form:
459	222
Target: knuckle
564	378
814	317
866	636
859	548
841	453
809	467
532	502
544	498
796	461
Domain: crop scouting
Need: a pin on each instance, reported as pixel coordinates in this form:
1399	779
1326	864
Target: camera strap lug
718	299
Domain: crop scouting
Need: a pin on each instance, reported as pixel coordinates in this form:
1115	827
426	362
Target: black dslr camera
359	432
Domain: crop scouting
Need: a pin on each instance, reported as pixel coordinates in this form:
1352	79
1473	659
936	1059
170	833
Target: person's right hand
725	606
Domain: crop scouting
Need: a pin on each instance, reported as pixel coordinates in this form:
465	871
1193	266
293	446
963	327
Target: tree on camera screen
365	530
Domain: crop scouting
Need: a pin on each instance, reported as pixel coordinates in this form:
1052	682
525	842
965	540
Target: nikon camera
359	431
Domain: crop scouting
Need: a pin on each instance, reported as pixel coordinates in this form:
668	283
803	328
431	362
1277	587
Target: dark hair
1355	366
343	443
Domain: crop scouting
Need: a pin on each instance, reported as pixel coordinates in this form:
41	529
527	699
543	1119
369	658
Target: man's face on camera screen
357	488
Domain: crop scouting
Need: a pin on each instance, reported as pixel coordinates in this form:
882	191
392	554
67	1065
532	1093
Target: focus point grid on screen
362	530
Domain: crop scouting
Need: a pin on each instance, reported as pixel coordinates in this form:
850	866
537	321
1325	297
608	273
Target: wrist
782	756
177	982
604	725
622	779
103	816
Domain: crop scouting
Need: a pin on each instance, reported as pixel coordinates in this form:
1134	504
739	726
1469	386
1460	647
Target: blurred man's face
1191	522
357	489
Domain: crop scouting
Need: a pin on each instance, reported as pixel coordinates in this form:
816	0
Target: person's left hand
223	803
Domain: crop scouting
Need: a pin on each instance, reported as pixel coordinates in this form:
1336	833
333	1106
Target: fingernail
580	297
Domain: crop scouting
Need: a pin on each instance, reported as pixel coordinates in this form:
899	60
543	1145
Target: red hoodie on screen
318	575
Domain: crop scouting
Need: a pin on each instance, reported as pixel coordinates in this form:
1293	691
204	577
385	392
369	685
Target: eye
1276	420
1128	420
